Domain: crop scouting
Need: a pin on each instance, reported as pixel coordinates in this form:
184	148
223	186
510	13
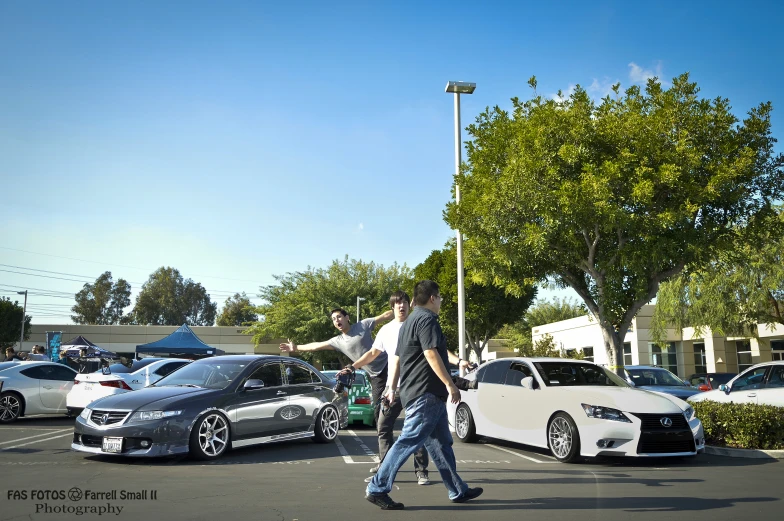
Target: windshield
210	374
137	364
654	377
560	374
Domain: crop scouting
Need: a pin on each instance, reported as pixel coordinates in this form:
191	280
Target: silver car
28	388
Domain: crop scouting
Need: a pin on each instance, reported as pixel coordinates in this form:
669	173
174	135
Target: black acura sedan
211	405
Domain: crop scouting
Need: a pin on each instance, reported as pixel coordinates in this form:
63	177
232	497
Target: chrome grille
102	418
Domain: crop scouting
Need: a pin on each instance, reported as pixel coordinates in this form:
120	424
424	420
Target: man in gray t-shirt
354	341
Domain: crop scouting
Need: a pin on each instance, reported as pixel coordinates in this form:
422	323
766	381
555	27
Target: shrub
741	425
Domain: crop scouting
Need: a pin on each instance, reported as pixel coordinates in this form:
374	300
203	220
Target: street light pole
24	312
459	87
359	299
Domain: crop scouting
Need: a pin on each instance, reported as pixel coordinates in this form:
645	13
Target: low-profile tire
327	425
563	438
11	407
210	436
465	428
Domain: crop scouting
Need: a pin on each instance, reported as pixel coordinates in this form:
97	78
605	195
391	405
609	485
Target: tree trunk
613	346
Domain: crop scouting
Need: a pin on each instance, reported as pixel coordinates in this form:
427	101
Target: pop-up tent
73	349
183	342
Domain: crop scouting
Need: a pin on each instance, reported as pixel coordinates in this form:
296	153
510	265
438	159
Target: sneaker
468	495
374	469
422	478
384	502
368	479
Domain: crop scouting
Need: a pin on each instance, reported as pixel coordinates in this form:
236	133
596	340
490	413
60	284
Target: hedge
741	425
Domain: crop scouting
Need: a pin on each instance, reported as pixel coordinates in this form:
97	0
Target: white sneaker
368	479
422	478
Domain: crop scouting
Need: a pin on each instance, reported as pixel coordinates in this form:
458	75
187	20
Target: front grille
660	442
102	418
653	421
89	441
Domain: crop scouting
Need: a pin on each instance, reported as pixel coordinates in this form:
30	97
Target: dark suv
710	381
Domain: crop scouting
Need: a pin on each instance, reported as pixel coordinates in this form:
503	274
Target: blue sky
239	140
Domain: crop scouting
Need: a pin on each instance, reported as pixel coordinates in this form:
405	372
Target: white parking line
365	447
36	436
36	441
529	458
347	457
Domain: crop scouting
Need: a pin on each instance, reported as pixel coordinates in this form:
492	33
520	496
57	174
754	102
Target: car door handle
281	393
48	387
751	395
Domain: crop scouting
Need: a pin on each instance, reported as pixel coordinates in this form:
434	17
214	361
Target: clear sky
239	140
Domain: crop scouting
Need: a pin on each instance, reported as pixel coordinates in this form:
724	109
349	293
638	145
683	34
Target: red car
710	381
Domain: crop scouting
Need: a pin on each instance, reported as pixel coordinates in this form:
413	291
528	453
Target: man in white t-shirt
386	342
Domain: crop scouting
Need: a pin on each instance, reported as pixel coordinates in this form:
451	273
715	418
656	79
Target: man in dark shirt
425	385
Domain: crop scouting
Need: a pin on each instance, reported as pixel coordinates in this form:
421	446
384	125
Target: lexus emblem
105	418
666	422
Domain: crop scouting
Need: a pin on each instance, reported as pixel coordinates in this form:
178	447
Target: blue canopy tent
183	343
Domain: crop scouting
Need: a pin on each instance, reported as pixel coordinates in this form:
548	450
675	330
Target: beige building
124	339
686	353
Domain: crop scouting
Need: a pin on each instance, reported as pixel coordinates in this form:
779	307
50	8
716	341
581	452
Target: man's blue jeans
426	424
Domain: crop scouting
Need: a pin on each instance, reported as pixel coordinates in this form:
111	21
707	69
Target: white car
28	388
761	383
118	379
574	408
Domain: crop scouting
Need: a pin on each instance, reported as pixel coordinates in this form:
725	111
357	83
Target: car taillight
704	387
119	384
362	400
77	382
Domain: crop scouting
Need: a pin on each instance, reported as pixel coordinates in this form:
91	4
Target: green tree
518	335
237	311
166	299
741	288
298	306
11	323
103	302
487	307
612	199
547	347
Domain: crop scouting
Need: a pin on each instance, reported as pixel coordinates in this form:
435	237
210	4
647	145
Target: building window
665	356
777	348
588	353
700	365
627	354
744	354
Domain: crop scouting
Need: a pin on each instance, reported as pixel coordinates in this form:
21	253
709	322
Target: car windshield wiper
182	385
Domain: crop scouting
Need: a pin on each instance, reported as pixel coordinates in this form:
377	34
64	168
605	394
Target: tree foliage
519	334
103	302
741	288
487	307
298	306
237	311
11	323
548	347
612	198
166	299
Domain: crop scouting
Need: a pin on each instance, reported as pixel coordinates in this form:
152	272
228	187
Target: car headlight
153	415
85	414
688	412
604	413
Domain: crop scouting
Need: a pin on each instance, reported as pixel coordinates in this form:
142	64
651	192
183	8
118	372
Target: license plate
356	412
88	387
112	445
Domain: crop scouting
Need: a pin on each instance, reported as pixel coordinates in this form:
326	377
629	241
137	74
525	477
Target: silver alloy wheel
213	435
461	422
330	423
10	406
561	437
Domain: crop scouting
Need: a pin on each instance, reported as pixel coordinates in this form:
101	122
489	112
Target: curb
744	453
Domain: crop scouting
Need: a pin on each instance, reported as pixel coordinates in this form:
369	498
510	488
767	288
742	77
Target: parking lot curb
745	453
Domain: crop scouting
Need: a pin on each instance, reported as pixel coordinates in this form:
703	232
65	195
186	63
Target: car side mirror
724	388
528	382
253	384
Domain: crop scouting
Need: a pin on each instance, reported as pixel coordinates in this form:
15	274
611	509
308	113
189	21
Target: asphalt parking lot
300	480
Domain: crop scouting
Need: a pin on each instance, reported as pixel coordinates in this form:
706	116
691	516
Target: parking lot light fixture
458	88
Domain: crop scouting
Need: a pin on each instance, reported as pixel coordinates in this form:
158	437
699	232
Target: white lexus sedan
574	408
118	379
28	388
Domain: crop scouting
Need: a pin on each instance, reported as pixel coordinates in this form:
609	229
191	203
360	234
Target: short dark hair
424	290
339	310
398	297
7	349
